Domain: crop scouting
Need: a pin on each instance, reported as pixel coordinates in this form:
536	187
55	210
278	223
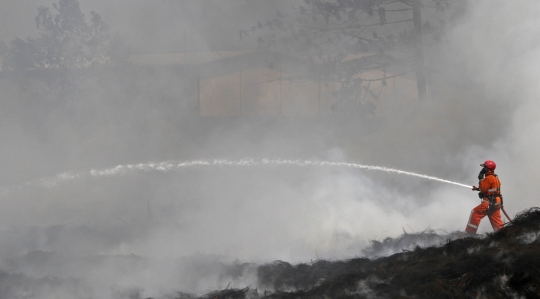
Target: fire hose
505	214
474	188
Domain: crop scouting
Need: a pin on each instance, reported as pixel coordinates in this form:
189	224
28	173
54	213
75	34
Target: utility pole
419	49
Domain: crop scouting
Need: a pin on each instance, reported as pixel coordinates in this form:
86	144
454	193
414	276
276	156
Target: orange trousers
482	211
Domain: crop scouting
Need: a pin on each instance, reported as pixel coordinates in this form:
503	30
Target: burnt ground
505	264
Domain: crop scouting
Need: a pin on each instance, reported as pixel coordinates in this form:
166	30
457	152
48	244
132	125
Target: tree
345	38
66	41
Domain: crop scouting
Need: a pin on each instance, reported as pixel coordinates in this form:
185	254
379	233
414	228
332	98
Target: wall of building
266	92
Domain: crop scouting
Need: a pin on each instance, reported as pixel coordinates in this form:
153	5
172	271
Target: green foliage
66	40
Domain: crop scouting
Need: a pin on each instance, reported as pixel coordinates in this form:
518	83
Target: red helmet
489	165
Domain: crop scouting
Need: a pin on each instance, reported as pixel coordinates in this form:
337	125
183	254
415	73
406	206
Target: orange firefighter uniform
490	187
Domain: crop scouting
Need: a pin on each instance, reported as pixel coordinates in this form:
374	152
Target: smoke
505	57
155	233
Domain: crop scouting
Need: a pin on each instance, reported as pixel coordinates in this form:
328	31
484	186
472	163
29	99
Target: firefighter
490	194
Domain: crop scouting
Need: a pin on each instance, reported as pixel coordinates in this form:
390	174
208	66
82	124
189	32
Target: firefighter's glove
481	195
474	188
482	173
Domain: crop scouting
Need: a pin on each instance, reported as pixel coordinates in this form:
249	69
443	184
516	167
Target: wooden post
419	49
280	95
199	96
319	98
241	96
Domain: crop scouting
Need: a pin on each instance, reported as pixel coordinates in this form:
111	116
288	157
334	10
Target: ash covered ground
504	264
215	232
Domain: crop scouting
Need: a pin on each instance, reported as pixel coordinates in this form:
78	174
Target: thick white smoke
496	43
173	231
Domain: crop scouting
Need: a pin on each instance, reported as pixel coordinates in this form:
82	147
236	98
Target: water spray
171	166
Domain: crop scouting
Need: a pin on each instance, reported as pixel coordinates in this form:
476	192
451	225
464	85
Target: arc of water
170	166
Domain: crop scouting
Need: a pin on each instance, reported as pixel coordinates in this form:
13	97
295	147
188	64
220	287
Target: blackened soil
505	264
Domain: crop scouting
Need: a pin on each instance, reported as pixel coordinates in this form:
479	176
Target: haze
155	232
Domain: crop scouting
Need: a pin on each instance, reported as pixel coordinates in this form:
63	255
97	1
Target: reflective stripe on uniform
470	217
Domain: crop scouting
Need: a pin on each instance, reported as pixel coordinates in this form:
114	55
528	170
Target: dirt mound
500	265
505	264
408	241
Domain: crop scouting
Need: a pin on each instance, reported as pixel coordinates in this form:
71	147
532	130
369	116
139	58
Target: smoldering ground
155	233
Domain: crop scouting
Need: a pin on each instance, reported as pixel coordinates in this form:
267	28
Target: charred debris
505	264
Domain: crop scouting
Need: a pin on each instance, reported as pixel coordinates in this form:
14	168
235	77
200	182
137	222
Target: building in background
269	84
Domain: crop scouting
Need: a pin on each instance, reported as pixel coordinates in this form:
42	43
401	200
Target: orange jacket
490	184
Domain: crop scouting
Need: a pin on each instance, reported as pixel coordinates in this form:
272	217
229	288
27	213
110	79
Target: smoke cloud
195	230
